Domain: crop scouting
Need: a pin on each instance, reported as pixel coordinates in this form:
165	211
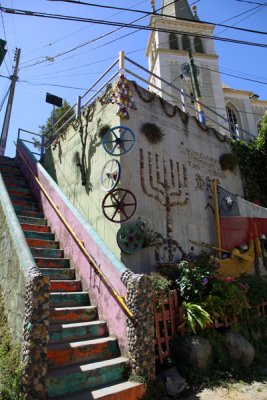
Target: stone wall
14	263
140	332
26	299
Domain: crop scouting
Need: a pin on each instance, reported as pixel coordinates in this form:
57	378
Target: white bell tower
168	58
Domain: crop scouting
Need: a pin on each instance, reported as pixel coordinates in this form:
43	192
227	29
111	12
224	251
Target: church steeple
178	9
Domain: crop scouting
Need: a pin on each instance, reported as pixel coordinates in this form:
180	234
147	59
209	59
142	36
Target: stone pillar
140	332
35	340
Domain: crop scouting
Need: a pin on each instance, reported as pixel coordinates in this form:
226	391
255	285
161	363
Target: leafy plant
101	132
152	132
151	238
159	284
195	278
195	317
228	161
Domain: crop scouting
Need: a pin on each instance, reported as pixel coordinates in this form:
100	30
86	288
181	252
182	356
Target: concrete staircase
84	362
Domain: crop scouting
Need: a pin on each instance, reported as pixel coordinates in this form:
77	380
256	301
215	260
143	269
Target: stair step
65	286
44	244
60	354
59	273
14	180
77	331
26	219
52	262
7	161
71	379
22	199
120	391
39	235
49	253
66	299
8	170
28	213
12	188
20	205
72	314
20	193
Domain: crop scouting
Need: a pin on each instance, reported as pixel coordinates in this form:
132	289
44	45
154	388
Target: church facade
181	37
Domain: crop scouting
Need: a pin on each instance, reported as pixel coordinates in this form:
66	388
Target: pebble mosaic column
34	351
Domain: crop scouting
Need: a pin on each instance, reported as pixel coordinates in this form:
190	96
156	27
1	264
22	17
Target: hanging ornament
122	95
130	239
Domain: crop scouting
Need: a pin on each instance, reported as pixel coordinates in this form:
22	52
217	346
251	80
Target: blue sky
39	38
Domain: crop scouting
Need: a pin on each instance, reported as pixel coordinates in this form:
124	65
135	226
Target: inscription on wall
204	163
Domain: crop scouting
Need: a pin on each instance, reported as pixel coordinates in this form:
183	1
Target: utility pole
195	87
14	79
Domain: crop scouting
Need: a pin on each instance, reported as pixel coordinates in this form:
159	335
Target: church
180	32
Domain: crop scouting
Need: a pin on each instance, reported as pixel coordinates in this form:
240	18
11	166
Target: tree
65	112
252	159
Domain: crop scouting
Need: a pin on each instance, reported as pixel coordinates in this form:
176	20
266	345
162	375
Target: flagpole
217	215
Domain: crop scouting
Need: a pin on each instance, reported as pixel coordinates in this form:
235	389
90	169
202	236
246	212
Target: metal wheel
130	239
110	175
118	140
119	205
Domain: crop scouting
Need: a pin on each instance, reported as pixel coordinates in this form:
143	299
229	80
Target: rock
175	384
193	351
240	350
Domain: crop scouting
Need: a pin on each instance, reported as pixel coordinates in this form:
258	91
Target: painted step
49	253
8	161
28	213
66	299
13	188
25	206
40	243
52	262
21	192
72	314
12	171
15	180
60	354
28	220
65	286
22	199
77	331
59	273
71	379
121	391
39	235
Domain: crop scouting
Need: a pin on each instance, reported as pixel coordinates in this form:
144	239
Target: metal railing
119	299
36	144
198	108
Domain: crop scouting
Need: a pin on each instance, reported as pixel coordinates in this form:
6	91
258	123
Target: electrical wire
147	13
4	30
4	98
101	37
232	75
250	2
72	34
130	25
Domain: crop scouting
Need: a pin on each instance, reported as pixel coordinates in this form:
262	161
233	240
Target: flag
240	220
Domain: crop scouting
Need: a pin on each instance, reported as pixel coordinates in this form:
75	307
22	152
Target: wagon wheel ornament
110	175
130	239
119	205
118	140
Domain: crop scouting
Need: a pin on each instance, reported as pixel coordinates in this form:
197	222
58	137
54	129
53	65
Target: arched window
233	120
173	40
186	43
198	45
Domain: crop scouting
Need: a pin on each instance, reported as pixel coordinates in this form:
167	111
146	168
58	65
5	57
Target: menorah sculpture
170	189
